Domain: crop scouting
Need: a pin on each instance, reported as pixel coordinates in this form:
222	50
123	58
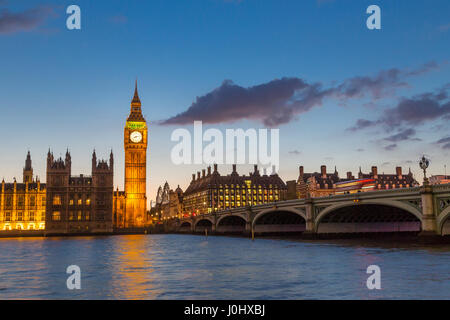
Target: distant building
22	205
439	179
169	203
213	192
79	204
320	184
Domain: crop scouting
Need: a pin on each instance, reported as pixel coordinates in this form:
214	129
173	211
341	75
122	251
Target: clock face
136	136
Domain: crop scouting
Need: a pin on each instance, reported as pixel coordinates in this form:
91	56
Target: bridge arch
277	220
443	222
235	223
232	215
389	205
203	223
185	226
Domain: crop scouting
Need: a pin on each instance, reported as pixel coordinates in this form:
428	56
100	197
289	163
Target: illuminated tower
135	142
28	170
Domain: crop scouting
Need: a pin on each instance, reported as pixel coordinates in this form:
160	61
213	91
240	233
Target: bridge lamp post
424	163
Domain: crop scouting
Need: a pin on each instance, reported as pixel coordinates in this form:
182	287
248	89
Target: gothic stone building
169	203
79	204
214	192
22	205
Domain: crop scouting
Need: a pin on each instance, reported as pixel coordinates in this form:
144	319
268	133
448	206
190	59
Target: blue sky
62	88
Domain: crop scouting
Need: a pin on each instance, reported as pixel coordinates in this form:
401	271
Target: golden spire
136	95
136	112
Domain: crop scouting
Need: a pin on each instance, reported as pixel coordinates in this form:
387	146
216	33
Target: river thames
196	267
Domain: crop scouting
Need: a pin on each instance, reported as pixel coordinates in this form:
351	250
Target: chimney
215	167
234	168
375	172
203	173
255	168
198	174
323	171
209	170
349	175
193	177
399	172
301	171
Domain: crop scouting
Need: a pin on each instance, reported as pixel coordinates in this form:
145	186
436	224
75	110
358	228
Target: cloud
27	20
273	103
360	150
402	135
444	142
281	100
295	152
413	111
362	124
378	86
390	147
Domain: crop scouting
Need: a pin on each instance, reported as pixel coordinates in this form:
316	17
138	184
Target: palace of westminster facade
68	204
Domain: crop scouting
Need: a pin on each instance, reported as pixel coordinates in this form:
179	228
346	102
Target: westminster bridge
424	209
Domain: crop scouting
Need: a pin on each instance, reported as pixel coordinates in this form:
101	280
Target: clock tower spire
135	144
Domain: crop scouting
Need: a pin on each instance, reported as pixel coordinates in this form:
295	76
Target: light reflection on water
195	267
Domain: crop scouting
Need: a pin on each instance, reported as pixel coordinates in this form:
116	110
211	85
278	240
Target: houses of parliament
68	204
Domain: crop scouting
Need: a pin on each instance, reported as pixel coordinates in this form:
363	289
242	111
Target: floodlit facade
22	205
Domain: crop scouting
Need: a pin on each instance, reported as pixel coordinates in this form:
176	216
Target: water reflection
195	267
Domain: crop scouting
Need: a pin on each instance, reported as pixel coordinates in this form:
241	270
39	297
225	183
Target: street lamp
424	163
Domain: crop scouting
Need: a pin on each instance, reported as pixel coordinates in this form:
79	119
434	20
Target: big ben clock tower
135	142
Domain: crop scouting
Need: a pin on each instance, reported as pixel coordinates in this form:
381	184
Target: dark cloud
279	101
24	21
383	83
444	142
295	152
390	147
360	150
427	67
413	111
273	103
401	136
362	124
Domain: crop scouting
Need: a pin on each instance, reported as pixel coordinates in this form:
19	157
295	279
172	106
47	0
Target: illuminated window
56	216
71	215
32	201
56	200
79	215
80	201
31	216
88	201
8	216
19	216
